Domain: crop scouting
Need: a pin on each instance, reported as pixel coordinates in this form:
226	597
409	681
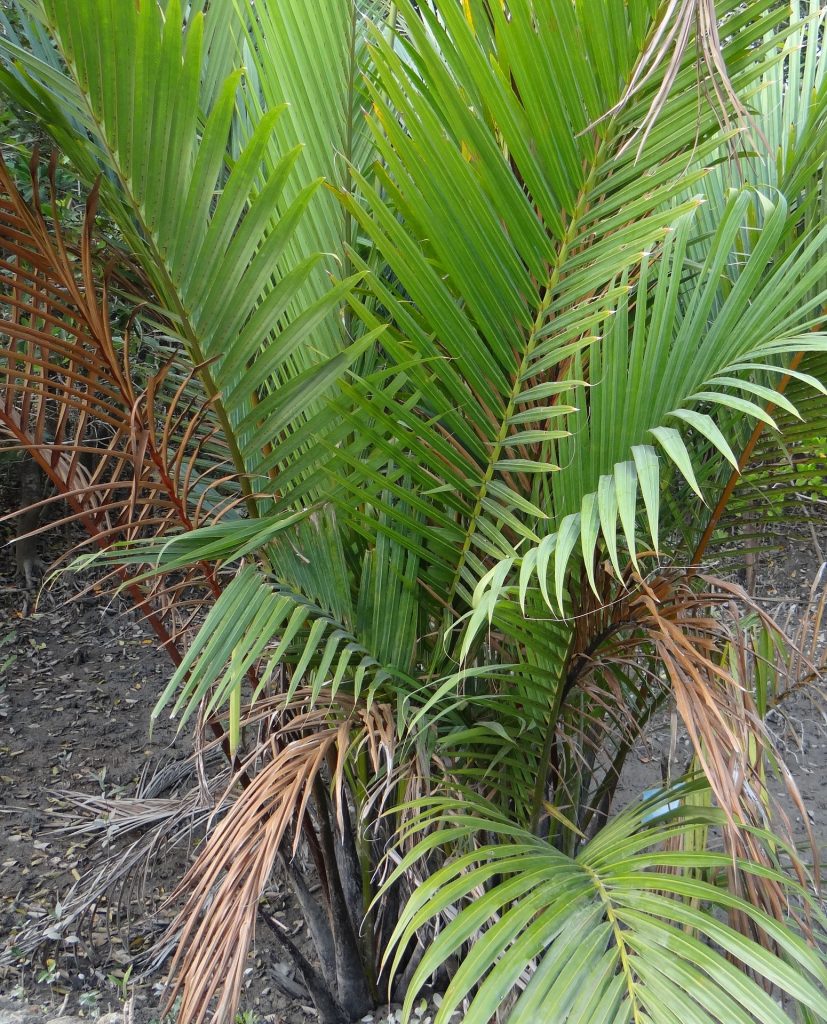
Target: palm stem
329	1010
365	865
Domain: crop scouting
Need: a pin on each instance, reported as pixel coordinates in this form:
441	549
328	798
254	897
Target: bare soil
78	682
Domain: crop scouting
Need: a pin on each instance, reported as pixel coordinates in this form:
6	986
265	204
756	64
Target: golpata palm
458	319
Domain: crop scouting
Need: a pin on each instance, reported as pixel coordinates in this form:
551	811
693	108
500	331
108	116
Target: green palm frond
628	930
293	618
707	351
226	249
522	321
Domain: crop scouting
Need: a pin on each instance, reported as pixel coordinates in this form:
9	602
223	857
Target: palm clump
455	330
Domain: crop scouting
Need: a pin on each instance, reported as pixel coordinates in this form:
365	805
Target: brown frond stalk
125	458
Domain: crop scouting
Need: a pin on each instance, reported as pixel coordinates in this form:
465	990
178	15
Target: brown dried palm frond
134	835
690	628
685	632
127	458
305	747
682	21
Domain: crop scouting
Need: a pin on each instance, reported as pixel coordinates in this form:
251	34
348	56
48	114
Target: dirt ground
78	681
74	715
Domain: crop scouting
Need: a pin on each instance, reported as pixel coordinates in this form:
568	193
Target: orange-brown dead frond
303	745
690	627
128	458
696	638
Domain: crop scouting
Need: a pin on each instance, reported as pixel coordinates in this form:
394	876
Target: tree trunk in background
30	491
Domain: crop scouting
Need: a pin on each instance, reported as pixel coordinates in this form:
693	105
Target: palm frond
524	321
212	240
627	930
134	835
214	929
130	463
698	374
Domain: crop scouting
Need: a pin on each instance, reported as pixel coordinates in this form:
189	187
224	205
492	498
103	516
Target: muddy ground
78	681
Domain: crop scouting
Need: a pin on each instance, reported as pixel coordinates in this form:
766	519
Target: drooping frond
134	835
223	887
711	354
130	463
